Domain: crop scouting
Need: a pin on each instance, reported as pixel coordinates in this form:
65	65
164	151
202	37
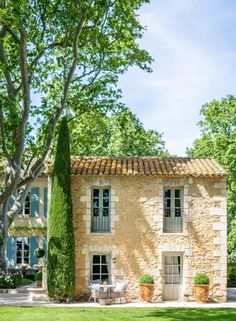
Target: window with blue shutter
45	204
35	201
34	243
10	251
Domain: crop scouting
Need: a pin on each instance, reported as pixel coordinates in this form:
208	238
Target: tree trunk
3	237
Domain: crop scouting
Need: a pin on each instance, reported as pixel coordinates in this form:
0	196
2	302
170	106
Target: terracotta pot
39	283
146	291
201	292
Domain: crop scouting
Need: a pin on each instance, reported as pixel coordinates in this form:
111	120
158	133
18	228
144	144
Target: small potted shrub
38	278
39	252
146	287
201	287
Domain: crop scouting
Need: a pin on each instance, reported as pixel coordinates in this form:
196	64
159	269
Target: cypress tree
61	244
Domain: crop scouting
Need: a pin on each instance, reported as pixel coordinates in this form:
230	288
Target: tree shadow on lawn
186	314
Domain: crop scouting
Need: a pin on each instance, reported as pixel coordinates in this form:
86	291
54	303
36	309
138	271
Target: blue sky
193	43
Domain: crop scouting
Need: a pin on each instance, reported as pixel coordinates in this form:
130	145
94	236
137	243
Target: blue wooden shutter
45	204
10	201
33	245
45	245
35	201
10	251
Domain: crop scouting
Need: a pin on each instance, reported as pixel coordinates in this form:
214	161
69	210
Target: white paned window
172	269
101	214
100	267
173	210
26	208
22	250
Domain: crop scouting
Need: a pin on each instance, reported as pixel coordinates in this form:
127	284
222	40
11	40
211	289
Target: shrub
10	280
231	274
201	278
146	279
61	243
39	252
39	276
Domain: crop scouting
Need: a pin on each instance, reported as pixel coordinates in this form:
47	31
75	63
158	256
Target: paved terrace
21	299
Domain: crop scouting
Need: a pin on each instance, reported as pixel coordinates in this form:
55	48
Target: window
100	267
172	269
26	208
173	210
22	250
100	218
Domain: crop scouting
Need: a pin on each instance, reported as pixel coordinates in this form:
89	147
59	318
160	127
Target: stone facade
136	243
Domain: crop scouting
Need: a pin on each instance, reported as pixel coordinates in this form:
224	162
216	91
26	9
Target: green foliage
38	276
39	252
61	247
201	278
10	280
118	133
218	140
107	47
39	230
146	279
231	274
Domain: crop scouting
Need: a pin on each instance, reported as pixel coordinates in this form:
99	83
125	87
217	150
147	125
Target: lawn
109	314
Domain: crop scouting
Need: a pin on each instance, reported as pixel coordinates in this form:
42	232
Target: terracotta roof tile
148	166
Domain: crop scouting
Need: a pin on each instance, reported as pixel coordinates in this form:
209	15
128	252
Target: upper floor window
101	217
22	250
26	208
100	268
173	210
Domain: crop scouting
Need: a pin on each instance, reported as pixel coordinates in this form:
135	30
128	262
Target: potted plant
38	278
201	287
39	252
146	287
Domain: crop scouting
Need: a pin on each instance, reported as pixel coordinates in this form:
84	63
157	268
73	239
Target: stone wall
137	244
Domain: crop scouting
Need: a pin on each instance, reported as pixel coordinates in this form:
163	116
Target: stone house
134	215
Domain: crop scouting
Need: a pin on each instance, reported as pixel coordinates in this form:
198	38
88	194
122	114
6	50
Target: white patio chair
119	291
94	286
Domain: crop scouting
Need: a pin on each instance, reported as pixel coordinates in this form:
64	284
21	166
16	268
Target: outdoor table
105	293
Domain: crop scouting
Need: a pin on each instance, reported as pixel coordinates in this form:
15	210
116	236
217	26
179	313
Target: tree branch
16	207
14	35
3	141
35	169
6	69
75	60
26	96
40	55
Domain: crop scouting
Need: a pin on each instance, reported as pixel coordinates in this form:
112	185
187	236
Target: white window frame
100	274
24	206
172	209
102	210
23	250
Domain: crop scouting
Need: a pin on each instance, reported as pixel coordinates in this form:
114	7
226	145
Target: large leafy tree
56	55
61	244
218	139
116	134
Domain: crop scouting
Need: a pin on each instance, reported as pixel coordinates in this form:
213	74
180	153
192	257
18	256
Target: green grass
110	314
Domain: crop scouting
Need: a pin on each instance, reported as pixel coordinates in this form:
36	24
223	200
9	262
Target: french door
173	267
